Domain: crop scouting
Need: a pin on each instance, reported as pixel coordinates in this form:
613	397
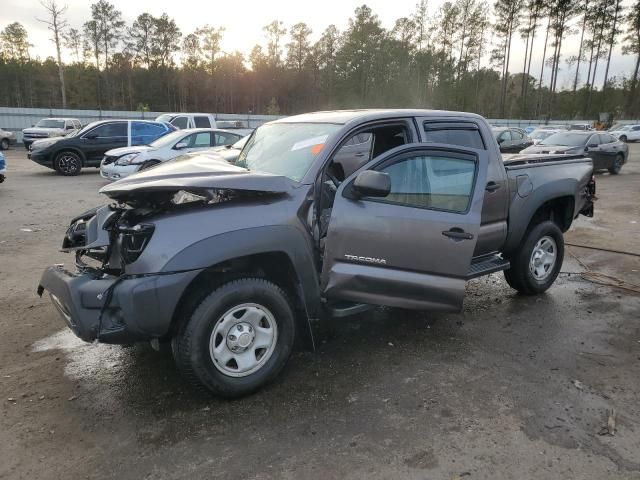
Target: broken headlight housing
127	159
133	240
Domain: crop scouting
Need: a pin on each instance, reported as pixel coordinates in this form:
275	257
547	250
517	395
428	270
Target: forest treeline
457	57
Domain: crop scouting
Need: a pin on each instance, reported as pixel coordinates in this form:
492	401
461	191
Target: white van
188	120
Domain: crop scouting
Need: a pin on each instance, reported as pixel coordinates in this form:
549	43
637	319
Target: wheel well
71	150
274	266
559	211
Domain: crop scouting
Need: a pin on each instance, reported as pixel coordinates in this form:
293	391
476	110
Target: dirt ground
512	387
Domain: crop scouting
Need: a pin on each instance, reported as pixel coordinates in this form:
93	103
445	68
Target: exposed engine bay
105	239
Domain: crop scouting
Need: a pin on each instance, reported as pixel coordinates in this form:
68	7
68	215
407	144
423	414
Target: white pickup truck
188	120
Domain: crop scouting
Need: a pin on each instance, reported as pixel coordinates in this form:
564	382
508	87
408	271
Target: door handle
492	187
457	234
359	155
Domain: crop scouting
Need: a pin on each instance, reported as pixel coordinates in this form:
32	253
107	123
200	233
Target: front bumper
40	157
115	172
140	308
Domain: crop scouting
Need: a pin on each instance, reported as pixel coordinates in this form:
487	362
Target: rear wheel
237	339
617	165
67	163
536	264
4	144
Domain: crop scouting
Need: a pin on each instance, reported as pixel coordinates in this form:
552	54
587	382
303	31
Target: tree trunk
632	88
612	40
544	55
584	24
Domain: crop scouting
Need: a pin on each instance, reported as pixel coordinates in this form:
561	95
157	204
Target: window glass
143	133
201	121
358	139
635	129
463	138
111	130
284	148
606	138
516	135
226	138
180	122
436	182
594	139
199	140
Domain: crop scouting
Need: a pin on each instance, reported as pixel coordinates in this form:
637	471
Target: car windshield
565	139
624	129
540	134
168	139
286	149
50	123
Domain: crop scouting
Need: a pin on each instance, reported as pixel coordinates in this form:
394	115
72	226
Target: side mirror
592	145
180	145
372	184
500	141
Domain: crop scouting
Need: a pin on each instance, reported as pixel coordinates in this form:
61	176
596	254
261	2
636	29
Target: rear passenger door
103	137
596	152
143	133
413	248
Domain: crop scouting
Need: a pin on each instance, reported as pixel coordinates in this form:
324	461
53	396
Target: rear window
461	134
202	122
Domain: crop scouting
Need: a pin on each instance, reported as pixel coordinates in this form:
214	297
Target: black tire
623	138
149	164
67	164
519	276
4	144
617	164
191	345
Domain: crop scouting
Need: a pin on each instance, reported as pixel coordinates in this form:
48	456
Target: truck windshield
566	139
50	123
286	149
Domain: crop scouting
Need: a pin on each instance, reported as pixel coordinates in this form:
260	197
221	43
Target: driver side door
413	247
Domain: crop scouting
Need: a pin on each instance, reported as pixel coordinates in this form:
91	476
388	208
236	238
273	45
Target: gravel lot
512	387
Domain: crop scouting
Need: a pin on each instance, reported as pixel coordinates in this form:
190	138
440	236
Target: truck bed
534	159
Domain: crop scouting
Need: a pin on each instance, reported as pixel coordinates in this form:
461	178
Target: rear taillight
134	240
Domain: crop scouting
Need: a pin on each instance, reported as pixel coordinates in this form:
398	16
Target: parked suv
85	148
50	127
229	263
188	120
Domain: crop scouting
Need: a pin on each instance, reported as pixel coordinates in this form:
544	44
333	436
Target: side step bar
486	265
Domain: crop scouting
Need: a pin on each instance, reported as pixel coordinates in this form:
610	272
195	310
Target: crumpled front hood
197	173
118	152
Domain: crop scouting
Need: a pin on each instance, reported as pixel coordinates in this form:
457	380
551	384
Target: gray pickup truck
323	214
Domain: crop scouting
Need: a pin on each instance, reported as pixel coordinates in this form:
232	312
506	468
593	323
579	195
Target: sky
244	20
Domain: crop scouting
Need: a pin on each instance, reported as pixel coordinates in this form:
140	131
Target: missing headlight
134	240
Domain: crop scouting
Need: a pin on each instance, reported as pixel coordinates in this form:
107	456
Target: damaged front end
110	296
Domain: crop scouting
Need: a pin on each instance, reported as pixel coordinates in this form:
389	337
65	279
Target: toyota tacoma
323	214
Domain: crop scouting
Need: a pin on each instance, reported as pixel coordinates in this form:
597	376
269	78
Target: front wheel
617	165
536	264
67	163
4	144
237	339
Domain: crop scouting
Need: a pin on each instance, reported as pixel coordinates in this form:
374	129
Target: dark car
511	140
606	151
86	147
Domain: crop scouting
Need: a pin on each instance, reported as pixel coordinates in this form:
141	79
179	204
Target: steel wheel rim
243	340
543	258
68	163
